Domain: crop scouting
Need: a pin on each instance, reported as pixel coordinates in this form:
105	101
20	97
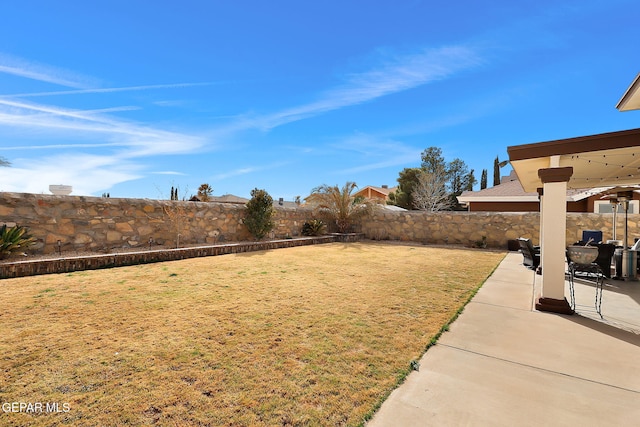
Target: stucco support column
541	200
553	239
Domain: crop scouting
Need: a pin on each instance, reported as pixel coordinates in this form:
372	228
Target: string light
608	163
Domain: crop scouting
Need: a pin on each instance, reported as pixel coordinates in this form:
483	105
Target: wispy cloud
122	143
118	145
248	170
168	173
236	172
88	174
139	139
103	90
396	74
44	73
374	152
60	146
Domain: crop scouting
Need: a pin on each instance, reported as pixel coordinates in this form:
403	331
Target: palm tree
204	192
339	205
4	162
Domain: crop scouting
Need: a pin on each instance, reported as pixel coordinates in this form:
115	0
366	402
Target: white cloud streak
88	174
248	170
120	142
130	140
396	75
168	173
140	140
377	153
103	90
44	73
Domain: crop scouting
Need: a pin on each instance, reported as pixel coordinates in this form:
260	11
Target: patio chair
605	255
595	236
584	259
530	253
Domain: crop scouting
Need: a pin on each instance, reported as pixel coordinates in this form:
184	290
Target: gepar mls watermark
35	407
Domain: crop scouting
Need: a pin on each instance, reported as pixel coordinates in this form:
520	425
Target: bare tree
430	193
177	215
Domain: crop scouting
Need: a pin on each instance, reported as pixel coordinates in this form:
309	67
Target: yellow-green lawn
315	335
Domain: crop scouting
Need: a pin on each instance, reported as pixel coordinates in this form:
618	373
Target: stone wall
467	228
104	224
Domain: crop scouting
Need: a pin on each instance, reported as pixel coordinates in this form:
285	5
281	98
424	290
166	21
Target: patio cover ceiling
608	159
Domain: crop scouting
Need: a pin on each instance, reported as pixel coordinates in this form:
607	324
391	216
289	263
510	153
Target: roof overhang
607	159
587	193
494	199
631	98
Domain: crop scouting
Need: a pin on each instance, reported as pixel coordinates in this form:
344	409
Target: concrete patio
502	363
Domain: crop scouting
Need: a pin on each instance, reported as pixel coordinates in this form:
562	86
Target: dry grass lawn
315	335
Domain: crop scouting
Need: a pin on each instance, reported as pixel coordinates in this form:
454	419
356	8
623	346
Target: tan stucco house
509	196
376	193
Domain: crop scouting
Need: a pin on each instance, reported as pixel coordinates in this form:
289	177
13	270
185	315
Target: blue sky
132	97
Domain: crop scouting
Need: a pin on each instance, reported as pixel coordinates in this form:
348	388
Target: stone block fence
497	228
103	224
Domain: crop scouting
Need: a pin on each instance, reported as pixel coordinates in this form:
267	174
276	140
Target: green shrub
14	239
259	214
313	227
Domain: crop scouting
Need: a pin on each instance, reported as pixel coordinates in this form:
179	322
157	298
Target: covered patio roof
631	98
607	159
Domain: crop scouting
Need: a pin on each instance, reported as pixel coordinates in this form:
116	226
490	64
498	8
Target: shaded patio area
620	302
503	363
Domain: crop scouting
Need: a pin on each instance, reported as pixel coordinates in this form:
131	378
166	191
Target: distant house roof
510	190
228	198
372	192
286	204
393	208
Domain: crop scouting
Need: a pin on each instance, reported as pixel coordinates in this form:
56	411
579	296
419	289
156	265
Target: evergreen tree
455	180
457	172
259	214
497	165
483	179
406	182
174	193
433	162
470	181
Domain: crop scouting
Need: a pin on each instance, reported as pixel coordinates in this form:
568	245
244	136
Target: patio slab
503	363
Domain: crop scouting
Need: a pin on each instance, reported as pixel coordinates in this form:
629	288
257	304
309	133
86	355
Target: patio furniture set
589	260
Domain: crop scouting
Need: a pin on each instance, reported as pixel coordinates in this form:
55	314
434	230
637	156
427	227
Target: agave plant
313	227
14	239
